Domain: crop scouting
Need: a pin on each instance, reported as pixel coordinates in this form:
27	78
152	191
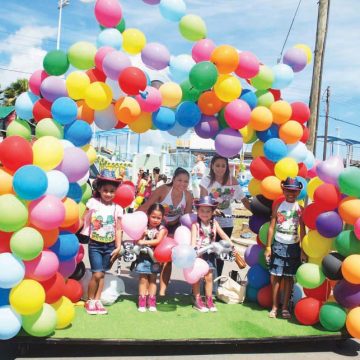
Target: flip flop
273	314
285	314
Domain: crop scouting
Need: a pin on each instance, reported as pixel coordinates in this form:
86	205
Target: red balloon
276	94
163	251
279	200
132	80
5	242
321	293
73	290
302	170
307	311
80	254
120	125
96	75
327	196
54	288
306	134
74	228
300	112
259	242
264	296
311	212
15	152
261	167
42	110
129	183
124	195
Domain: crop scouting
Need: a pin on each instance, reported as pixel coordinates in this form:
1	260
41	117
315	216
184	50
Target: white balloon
58	184
106	119
84	179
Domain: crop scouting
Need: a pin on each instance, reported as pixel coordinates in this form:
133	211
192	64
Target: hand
267	254
218	212
303	257
141	242
114	255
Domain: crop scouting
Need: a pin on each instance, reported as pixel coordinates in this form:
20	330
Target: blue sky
28	29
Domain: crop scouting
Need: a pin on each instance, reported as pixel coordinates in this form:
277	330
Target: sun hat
108	175
206	201
291	184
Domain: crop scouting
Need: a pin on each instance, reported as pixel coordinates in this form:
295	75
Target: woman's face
181	182
219	168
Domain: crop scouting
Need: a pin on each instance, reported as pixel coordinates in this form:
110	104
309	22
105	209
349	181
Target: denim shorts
144	265
210	259
285	259
99	255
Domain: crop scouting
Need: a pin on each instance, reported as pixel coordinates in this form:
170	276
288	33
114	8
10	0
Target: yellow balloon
71	212
134	41
139	200
65	312
307	51
281	111
257	149
254	187
76	84
90	153
315	245
82	208
286	167
316	261
127	109
48	152
142	123
98	95
27	297
312	185
227	88
5	182
171	94
350	268
248	134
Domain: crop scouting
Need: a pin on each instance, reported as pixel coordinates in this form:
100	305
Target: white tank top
287	222
173	213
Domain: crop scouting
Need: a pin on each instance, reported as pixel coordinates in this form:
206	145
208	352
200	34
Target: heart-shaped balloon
188	219
330	169
182	235
196	272
134	224
163	251
183	256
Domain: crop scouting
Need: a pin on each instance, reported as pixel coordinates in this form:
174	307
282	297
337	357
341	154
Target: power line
13	70
340	120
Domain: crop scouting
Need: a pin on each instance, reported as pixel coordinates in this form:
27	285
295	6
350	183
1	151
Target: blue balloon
4	296
79	133
297	294
309	161
297	151
251	294
58	184
258	277
66	246
303	192
64	110
24	105
180	67
183	256
188	114
275	149
178	130
164	119
12	271
75	192
283	76
110	37
271	132
30	182
249	97
10	323
172	10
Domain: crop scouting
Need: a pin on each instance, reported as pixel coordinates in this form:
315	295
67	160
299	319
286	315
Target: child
102	225
203	233
145	267
284	254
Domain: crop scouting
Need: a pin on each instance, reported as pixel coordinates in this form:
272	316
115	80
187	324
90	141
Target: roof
346	141
5	111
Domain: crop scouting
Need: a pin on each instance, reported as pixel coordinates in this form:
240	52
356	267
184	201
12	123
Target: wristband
268	248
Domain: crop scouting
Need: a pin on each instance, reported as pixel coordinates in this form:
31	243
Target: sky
28	29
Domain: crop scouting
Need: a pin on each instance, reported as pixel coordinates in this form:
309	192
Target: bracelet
268	248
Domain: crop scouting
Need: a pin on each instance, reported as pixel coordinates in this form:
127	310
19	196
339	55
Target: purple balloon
188	219
208	127
346	294
75	164
114	63
252	254
256	221
155	56
53	88
295	58
330	169
329	224
66	268
228	142
151	2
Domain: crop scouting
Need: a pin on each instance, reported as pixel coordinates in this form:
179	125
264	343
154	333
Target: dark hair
201	232
156	170
177	172
163	177
99	183
156	207
227	172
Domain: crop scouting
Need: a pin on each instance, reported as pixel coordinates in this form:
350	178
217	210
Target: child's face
155	218
205	213
107	193
291	195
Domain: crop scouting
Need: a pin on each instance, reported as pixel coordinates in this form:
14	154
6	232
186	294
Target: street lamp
61	4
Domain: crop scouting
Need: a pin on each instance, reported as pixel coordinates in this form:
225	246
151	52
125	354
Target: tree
10	94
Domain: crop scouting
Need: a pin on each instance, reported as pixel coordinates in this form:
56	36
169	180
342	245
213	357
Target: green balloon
349	181
192	27
82	55
189	92
332	316
346	243
221	118
19	127
87	193
264	97
27	243
121	26
261	259
263	232
14	213
49	127
56	62
203	75
264	79
42	323
310	276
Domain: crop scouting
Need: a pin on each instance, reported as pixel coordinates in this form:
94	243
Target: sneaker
152	303
199	305
100	308
210	305
90	307
142	303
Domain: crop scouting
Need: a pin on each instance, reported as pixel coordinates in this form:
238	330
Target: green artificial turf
176	319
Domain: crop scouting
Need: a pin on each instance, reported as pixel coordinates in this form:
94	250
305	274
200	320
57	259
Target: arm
193	235
154	197
246	203
270	235
118	238
203	191
160	236
221	232
189	203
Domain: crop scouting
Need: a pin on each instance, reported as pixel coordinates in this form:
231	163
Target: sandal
273	313
285	314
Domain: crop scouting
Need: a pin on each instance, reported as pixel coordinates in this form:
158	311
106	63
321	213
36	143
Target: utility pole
61	4
321	32
326	121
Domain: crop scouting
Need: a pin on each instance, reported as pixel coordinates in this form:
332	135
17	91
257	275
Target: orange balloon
84	112
350	269
74	228
349	210
281	111
142	124
353	322
127	109
291	132
50	236
225	58
71	212
209	103
6	180
261	118
271	187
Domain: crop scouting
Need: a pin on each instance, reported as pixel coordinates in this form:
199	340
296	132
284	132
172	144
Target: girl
284	254
145	267
102	225
203	233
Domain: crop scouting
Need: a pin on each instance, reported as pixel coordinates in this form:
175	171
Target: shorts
285	259
144	265
171	228
210	259
99	255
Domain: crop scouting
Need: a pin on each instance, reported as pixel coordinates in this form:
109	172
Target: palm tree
10	94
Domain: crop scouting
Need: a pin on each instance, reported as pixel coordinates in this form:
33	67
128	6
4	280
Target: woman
177	201
197	173
223	188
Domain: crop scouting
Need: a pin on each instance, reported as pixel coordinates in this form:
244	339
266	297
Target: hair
156	207
211	227
201	156
156	170
163	177
144	175
179	171
99	183
212	173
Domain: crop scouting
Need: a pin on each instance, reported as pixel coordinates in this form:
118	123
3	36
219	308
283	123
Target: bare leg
288	285
143	284
100	286
94	284
165	277
208	284
196	289
275	282
152	285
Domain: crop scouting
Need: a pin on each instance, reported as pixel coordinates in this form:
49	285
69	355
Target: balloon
310	276
24	105
155	56
315	245
124	195
180	67
183	256
202	50
251	294
264	98
290	132
332	316
203	75
254	187
310	214
264	78
172	10
12	270
98	95
42	110
163	251
43	267
226	58
330	169
14	213
209	103
257	149
53	87
307	51
73	290
286	167
258	277
300	112
20	128
133	41
58	184
251	254
164	119
281	111
142	124
109	37
54	288
150	101
347	181
100	56
74	192
264	296
283	76
248	65
108	12
270	133
227	88
78	272
297	151
114	63
6	182
81	55
187	114
134	224
261	205
171	94
10	323
331	266
66	247
182	236
80	255
67	267
353	321
26	243
192	27
90	153
35	81
228	142
207	127
275	149
10	148
42	323
76	84
127	110
65	312
237	114
349	210
346	243
188	219
49	127
346	294
307	311
261	118
249	97
271	187
313	184
79	133
48	152
56	62
295	58
132	80
329	224
95	75
199	269
189	92
350	269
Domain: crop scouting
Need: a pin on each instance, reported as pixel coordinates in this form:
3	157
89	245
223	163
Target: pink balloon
134	224
249	65
182	236
150	99
66	268
100	56
237	114
357	228
35	81
80	254
43	267
202	50
194	274
108	12
47	212
188	219
312	172
330	169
